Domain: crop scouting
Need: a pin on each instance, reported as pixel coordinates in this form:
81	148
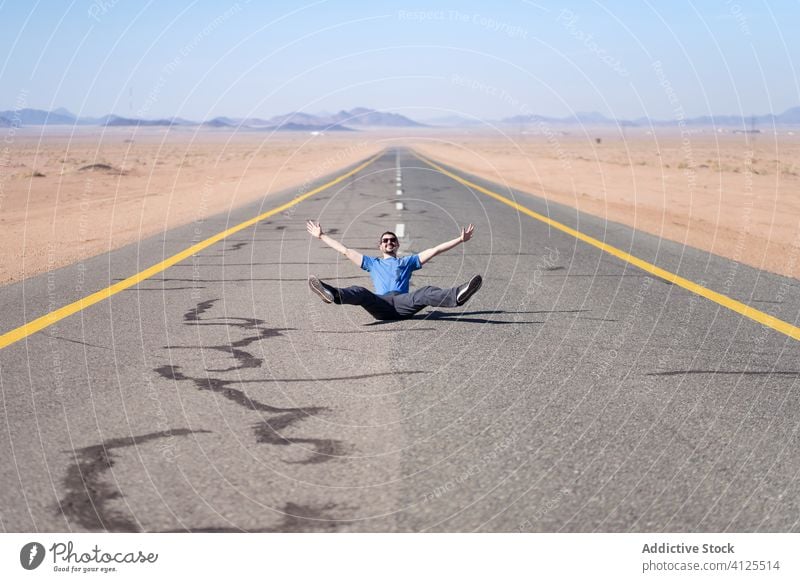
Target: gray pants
395	305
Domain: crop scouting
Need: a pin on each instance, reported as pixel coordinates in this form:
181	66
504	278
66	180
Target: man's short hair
388	232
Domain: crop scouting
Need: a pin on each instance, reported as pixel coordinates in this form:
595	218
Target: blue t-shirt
391	274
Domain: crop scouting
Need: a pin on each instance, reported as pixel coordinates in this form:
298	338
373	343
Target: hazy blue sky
425	59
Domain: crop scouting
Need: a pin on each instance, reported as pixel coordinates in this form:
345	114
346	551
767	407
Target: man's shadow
467	317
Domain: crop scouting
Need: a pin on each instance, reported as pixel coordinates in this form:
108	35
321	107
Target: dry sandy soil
735	195
65	197
731	194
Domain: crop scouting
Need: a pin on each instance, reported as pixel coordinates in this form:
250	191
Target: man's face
389	244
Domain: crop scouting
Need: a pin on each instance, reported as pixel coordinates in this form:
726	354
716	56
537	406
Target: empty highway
635	385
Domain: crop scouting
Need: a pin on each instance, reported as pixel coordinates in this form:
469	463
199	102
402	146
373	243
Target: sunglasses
389	240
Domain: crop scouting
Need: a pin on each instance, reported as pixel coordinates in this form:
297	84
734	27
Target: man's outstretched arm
315	230
428	254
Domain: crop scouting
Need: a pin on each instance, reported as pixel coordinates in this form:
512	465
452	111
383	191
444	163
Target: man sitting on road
391	277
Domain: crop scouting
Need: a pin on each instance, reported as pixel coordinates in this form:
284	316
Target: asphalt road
574	392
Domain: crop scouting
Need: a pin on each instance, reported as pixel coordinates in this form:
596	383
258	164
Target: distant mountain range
361	117
788	117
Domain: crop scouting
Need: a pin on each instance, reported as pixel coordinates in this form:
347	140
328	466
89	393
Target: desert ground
733	194
67	195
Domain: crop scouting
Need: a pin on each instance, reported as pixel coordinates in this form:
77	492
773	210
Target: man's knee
432	296
356	295
356	291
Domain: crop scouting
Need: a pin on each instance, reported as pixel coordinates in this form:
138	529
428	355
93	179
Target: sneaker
319	288
468	290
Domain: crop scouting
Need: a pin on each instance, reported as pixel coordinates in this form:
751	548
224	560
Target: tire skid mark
195	313
87	493
274	420
245	359
270	432
220	386
227	248
296	518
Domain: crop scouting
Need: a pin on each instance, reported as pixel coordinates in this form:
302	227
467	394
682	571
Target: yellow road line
39	324
737	306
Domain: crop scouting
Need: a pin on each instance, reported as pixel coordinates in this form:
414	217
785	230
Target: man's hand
466	233
428	254
315	230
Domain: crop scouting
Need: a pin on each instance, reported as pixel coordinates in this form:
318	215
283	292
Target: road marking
400	230
44	321
399	191
770	321
398	205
